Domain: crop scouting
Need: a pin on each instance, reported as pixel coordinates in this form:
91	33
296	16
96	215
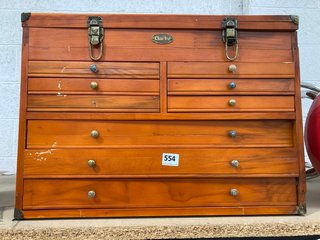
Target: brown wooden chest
159	115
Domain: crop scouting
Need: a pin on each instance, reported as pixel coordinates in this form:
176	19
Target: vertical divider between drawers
163	88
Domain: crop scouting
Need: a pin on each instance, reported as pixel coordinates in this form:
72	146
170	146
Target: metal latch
229	27
95	35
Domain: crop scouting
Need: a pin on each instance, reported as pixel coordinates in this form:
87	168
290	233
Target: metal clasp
95	35
229	27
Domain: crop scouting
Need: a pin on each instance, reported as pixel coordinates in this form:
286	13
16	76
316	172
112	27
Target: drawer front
104	69
141	161
221	70
133	44
230	86
94	103
127	193
92	86
230	104
55	133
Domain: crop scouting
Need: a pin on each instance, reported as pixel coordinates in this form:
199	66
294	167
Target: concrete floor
157	228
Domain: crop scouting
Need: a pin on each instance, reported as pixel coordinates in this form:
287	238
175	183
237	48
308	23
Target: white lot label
170	159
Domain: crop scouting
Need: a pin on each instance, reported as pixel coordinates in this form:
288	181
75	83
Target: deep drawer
55	133
128	193
230	103
141	161
104	69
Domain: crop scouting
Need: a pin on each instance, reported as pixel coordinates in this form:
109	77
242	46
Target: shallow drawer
230	103
137	44
55	133
91	86
96	103
141	161
103	69
221	70
230	86
128	193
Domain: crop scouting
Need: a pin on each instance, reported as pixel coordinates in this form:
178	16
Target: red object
312	133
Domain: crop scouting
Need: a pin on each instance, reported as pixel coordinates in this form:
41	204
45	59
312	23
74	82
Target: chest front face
202	112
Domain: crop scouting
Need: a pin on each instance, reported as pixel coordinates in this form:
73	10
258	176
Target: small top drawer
227	70
89	69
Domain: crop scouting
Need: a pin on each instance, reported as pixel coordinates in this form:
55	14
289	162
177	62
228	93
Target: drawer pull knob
91	194
94	134
93	68
232	133
91	163
234	192
235	163
232	68
232	85
94	85
232	102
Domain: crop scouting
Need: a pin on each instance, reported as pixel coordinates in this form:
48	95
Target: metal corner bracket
18	214
25	16
301	209
295	19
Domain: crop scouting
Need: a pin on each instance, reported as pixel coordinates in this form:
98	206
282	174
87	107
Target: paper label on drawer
170	159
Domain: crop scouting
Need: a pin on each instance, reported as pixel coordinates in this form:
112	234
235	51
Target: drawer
129	193
221	70
146	161
92	86
57	133
94	103
133	44
104	69
230	103
230	86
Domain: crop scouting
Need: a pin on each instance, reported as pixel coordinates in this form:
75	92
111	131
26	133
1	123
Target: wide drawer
230	86
94	103
55	133
129	193
133	44
230	103
141	161
92	86
103	69
221	70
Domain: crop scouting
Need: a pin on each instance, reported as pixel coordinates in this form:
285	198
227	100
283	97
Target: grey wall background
10	42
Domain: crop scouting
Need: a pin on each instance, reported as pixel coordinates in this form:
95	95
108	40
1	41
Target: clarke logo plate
162	38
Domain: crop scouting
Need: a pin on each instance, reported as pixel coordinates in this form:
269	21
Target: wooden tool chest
159	115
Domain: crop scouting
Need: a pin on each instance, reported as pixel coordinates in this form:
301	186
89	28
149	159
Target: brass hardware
295	19
232	85
94	85
93	68
232	102
91	163
25	16
229	27
232	68
162	38
232	133
95	35
235	163
233	192
91	194
94	134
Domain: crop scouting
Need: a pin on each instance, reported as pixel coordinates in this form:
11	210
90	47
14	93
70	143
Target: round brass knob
91	163
235	163
233	192
94	134
232	102
232	68
232	85
93	68
94	85
91	194
232	133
